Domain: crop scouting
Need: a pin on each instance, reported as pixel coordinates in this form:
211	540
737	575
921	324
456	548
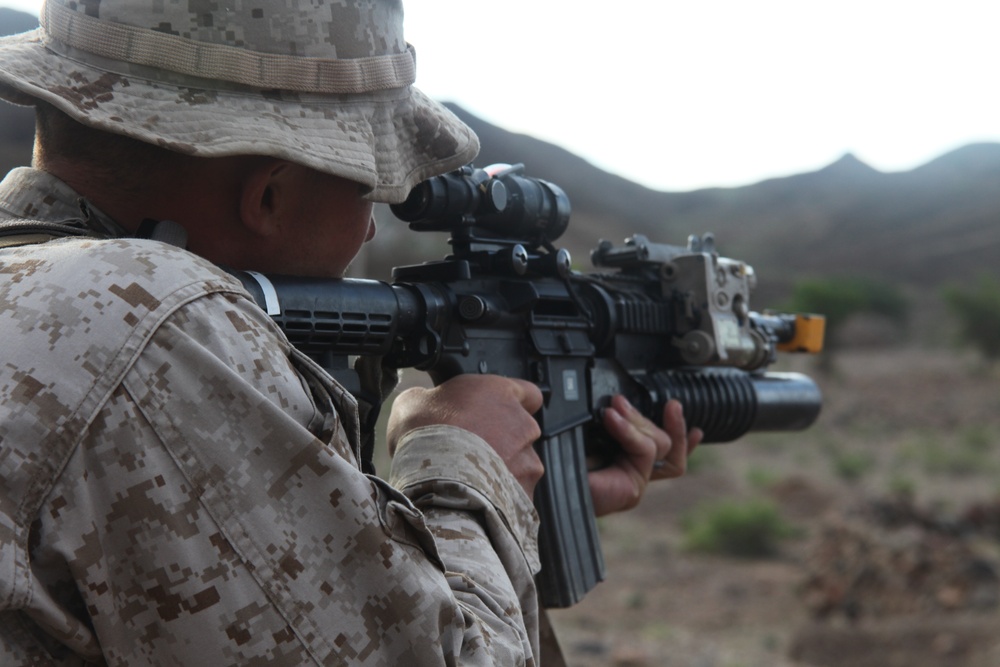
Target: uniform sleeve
485	524
214	514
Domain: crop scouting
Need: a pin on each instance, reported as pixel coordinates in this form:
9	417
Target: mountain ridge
844	218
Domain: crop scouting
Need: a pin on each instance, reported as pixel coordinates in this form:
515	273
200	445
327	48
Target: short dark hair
121	161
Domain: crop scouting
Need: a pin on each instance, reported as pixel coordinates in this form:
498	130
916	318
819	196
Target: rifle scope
495	203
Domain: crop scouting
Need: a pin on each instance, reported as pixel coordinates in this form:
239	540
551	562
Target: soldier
179	485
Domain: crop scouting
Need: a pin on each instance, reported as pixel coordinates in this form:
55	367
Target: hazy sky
682	95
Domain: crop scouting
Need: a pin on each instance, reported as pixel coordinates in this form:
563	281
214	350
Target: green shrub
901	486
736	528
837	299
978	438
762	478
703	458
977	311
969	452
852	466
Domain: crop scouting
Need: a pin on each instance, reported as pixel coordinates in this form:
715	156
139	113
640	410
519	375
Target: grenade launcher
658	322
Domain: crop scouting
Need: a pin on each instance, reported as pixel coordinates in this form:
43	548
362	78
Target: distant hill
17	124
934	224
13	21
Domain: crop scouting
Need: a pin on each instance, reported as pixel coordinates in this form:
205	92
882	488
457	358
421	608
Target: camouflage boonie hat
324	84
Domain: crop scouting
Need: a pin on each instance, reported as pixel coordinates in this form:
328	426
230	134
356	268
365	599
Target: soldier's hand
497	409
648	453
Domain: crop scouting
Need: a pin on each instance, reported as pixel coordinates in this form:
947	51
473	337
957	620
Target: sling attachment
166	231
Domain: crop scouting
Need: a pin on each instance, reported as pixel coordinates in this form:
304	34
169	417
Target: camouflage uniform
181	487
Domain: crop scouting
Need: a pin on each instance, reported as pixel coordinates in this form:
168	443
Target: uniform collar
33	194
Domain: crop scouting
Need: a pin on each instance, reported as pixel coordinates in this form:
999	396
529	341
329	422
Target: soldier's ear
266	196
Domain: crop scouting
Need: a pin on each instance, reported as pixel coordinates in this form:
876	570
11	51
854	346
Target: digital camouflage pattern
324	84
180	486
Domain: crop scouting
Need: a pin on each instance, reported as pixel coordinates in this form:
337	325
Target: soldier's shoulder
115	288
102	265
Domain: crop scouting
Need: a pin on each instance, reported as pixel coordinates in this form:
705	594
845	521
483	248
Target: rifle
661	322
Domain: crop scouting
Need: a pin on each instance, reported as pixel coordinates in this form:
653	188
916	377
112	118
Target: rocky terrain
893	559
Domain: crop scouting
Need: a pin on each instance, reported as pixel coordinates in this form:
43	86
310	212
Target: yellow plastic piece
808	337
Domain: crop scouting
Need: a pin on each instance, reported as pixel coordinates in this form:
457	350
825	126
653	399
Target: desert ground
888	551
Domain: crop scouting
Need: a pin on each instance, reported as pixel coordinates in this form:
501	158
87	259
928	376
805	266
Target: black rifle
665	322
